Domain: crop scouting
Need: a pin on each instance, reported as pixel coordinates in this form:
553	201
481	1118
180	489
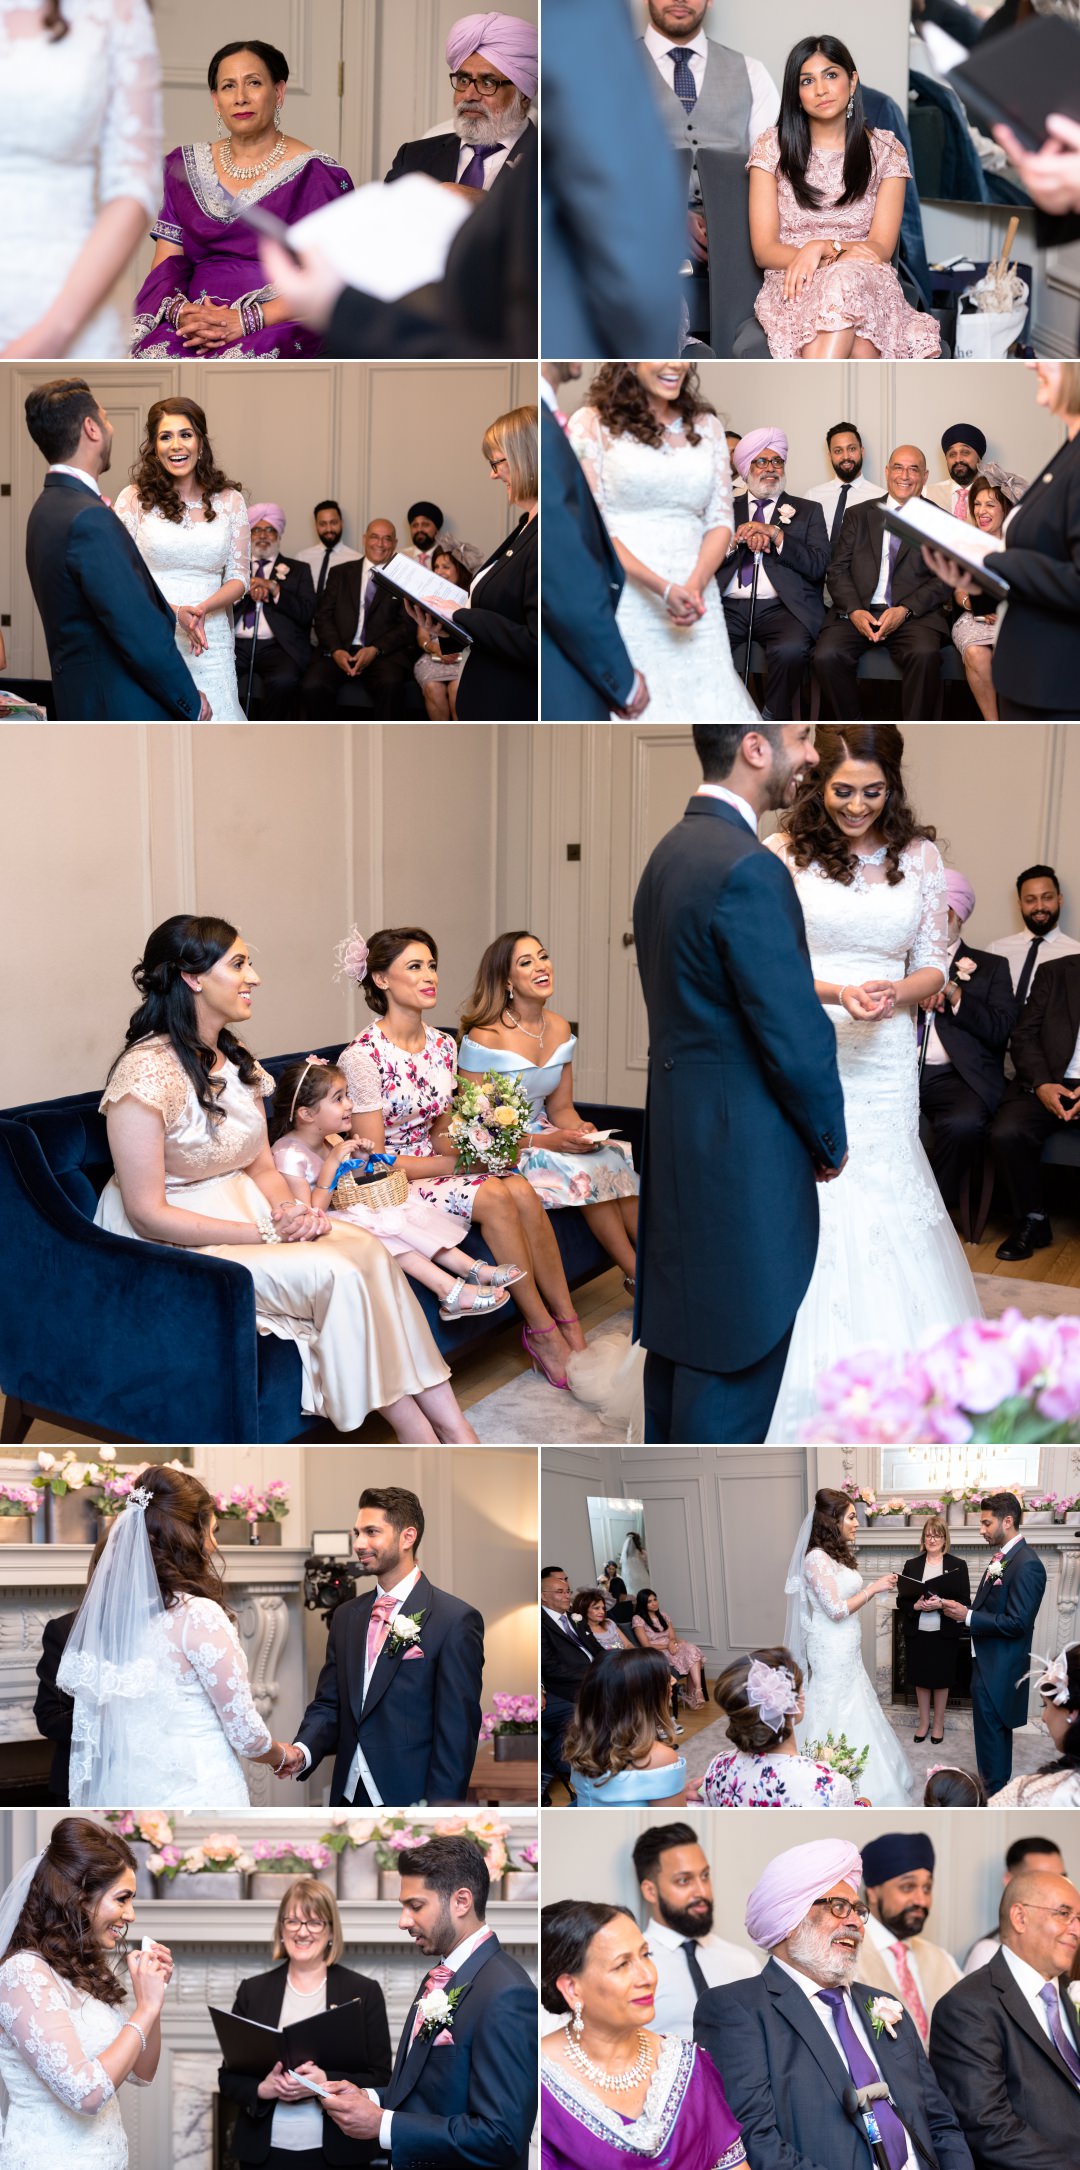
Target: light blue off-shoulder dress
630	1789
559	1179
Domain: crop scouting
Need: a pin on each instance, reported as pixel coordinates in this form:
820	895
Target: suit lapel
418	1600
1020	2012
413	2056
795	2008
1007	1565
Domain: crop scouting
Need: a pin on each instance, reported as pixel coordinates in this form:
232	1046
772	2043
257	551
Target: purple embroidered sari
220	262
685	2124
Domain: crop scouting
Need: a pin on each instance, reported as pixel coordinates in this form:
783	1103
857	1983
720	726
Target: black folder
1022	76
328	2039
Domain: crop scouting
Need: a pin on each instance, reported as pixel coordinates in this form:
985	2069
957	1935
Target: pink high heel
537	1360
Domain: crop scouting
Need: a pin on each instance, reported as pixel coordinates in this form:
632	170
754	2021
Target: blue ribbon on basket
366	1167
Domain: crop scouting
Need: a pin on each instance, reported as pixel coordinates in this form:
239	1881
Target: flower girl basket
359	1183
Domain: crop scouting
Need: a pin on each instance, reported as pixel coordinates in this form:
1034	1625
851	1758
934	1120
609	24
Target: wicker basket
379	1192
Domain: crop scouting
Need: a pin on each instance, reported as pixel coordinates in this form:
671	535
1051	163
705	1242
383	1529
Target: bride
825	1594
872	888
163	1707
656	460
64	2051
190	524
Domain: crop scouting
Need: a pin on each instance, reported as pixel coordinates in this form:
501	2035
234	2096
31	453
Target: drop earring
277	121
221	129
851	105
578	2024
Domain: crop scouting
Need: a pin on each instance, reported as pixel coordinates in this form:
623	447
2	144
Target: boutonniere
281	570
995	1571
1073	1993
404	1633
785	515
964	967
885	2015
436	2011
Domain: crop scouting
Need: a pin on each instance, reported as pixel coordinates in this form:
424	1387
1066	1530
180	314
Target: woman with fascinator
65	2050
762	1697
1057	1784
826	1593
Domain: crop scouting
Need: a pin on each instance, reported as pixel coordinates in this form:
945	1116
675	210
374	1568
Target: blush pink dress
866	296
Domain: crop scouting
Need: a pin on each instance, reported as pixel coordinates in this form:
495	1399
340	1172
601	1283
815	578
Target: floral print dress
737	1780
412	1092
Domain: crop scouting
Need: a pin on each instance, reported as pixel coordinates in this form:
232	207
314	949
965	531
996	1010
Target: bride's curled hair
179	1525
826	1532
155	486
79	1864
622	404
814	835
192	944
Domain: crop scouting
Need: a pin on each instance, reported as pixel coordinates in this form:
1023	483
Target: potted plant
19	1503
214	1869
64	1483
1071	1504
251	1516
394	1835
107	1495
488	1832
352	1839
918	1510
278	1861
1041	1508
522	1880
512	1727
889	1510
147	1831
862	1499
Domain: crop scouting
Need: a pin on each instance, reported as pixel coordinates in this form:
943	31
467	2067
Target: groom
1001	1622
398	1699
110	633
745	1111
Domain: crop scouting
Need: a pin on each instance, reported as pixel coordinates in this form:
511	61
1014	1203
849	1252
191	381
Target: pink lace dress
682	1657
415	1226
411	1092
866	296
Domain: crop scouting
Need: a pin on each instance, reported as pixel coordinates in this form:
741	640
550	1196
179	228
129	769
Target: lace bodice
871	930
62	2105
197	1144
825	173
192	558
831	1586
641	487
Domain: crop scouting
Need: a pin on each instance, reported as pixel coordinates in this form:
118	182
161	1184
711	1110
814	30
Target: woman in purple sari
611	2090
206	293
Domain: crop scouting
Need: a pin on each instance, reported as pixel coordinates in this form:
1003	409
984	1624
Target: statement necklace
251	173
616	2083
514	1024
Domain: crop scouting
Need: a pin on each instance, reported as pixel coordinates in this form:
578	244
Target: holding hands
189	617
684	602
288	1760
874	999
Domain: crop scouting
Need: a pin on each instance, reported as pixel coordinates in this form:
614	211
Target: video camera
330	1572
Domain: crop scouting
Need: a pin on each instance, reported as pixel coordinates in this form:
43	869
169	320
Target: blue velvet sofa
123	1340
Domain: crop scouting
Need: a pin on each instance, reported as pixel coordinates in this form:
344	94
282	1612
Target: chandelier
955	1468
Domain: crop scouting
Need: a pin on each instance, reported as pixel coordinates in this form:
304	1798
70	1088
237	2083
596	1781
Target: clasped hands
203	325
296	1223
755	534
872	999
879	623
581	1140
1064	1105
684	602
353	665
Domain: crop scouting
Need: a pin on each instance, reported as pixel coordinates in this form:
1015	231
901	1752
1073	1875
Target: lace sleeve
823	1585
127	508
363	1080
264	1086
890	157
766	152
148	1072
238	561
211	1645
930	947
586	434
719	512
36	2015
131	136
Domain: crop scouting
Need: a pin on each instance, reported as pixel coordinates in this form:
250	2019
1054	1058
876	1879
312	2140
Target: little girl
309	1136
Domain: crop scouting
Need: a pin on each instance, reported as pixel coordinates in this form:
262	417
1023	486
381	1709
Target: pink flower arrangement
995	1381
245	1504
512	1714
19	1499
292	1857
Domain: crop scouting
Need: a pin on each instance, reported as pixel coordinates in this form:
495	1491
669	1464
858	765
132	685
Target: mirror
617	1530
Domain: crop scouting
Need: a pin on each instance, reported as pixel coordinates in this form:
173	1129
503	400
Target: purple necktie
259	571
894	551
865	2073
370	592
747	573
473	176
1048	1995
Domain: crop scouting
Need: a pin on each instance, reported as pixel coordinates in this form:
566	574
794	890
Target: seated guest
975	631
425	521
787	537
881	592
273	641
809	2017
763	1701
669	2107
494	68
612	1582
964	446
654	1632
673	1872
591	1606
567	1649
1024	1853
205	293
331	550
366	641
1005	2043
1045	1049
620	1743
966	1029
499	680
281	2123
437	672
1054	1785
1039	896
847	485
898	1872
733	437
948	1787
826	206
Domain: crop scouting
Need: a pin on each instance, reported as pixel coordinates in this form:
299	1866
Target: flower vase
390	1885
954	1514
358	1873
146	1886
521	1886
15	1529
860	1511
274	1883
70	1518
1038	1517
1072	1519
223	1884
231	1531
515	1747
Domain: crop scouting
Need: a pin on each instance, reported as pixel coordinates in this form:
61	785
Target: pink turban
759	440
783	1896
504	41
272	513
959	893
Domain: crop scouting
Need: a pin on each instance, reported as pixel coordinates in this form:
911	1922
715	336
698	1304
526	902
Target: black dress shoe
1032	1235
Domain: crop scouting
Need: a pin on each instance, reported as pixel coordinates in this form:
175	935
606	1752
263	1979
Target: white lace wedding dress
840	1696
889	1267
190	560
659	501
62	2106
82	127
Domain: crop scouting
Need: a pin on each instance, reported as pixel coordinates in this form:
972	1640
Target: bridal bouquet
992	1381
838	1756
488	1121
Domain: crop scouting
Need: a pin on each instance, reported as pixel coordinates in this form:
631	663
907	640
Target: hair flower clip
351	957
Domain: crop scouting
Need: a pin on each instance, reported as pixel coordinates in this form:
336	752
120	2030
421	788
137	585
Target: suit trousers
788	647
993	1740
376	692
952	1120
277	678
685	1407
915	648
1011	711
1018	1133
554	1719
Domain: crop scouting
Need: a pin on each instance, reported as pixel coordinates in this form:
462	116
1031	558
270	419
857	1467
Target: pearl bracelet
134	2023
267	1231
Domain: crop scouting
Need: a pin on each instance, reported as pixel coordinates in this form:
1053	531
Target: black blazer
499	681
1037	658
856	563
438	156
953	1581
110	633
470	2102
976	1037
338	615
1045	1036
564	1664
53	1710
586	671
798	571
261	1998
1010	2087
289	619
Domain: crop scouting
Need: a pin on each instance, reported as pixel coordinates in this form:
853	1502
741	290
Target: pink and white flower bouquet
488	1122
993	1381
248	1503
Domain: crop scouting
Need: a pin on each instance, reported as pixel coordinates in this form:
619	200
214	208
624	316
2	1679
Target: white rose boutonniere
436	2011
963	969
1074	1995
785	515
281	570
404	1633
995	1571
885	2014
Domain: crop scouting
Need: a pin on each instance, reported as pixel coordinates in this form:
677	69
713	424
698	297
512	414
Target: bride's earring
577	2028
851	105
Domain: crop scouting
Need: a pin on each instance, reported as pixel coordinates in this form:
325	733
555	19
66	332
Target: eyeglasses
297	1927
487	85
1065	1914
841	1908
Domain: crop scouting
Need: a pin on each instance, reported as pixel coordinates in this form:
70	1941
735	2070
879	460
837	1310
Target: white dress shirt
825	2015
341	554
764	96
676	1995
827	495
883	1939
765	589
453	1960
493	165
60	467
358	1768
877	600
937	1058
1014	948
1031	1984
731	798
1005	1551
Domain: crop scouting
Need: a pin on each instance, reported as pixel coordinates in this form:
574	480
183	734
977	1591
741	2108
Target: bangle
284	1759
667	591
266	1228
134	2023
842	993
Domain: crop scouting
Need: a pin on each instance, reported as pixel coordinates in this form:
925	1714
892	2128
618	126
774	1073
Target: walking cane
251	666
750	626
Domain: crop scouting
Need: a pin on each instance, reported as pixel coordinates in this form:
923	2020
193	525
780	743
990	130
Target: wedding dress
190	559
82	127
62	2106
890	1267
840	1697
660	501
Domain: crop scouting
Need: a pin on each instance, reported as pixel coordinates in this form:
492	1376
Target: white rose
436	2007
1074	1994
361	1830
406	1630
46	1461
107	1454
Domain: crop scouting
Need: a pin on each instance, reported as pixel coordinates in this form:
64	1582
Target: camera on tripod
330	1572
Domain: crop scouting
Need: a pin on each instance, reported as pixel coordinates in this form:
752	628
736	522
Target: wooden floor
1059	1264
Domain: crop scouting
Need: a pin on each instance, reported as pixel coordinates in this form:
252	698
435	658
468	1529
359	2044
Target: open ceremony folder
406	577
1022	76
327	2038
919	521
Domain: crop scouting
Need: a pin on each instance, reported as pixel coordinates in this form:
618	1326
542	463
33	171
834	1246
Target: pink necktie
961	506
437	1978
377	1628
909	1990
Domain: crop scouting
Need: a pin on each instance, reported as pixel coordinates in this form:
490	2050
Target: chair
734	277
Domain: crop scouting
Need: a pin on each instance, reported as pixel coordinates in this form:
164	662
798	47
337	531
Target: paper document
921	521
406	577
386	239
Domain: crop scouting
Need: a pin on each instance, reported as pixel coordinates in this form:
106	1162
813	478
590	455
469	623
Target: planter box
231	1532
860	1510
146	1886
274	1883
390	1885
17	1529
70	1519
515	1747
1072	1519
520	1886
358	1873
1038	1517
954	1515
224	1884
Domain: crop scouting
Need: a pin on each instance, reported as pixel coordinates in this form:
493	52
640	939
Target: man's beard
962	474
1040	925
813	1949
482	128
848	470
785	766
688	30
684	1920
904	1924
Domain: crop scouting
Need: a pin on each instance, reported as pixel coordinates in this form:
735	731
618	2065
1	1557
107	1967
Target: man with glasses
798	2044
1005	2043
785	538
882	595
493	61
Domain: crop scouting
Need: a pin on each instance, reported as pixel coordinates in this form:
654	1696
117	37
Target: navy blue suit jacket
472	2101
797	571
420	1722
437	156
110	633
785	2081
586	671
744	1097
1003	1630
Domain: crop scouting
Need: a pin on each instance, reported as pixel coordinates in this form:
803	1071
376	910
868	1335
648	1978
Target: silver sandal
486	1299
501	1276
